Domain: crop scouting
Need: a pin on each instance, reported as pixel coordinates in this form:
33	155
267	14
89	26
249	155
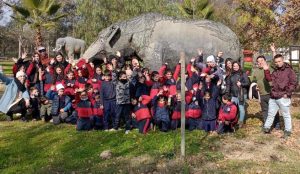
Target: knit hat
20	73
41	48
210	58
59	86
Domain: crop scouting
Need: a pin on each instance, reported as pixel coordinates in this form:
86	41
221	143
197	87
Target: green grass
37	147
7	66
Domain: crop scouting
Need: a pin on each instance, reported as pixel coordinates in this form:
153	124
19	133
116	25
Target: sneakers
286	134
241	124
127	132
266	130
112	130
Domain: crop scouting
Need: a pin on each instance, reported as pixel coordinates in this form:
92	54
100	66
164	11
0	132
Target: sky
7	12
6	16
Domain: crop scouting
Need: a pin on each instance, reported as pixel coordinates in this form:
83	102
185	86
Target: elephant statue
157	39
73	48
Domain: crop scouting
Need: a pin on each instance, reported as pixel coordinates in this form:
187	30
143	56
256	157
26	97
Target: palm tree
196	9
38	14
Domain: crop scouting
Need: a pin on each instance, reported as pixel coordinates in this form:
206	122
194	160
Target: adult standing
264	89
15	98
283	82
236	86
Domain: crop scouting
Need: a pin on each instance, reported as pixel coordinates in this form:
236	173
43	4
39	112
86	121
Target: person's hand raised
200	51
265	65
24	55
15	59
272	47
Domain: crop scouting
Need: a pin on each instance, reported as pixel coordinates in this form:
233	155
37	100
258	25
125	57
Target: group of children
120	92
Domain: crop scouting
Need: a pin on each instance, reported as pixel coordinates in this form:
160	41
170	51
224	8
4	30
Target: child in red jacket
97	113
141	112
168	78
85	112
69	84
193	113
227	115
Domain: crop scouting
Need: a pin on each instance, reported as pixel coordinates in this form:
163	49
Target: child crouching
227	115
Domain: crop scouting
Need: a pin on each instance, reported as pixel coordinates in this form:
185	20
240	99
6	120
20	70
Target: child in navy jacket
209	106
61	104
161	112
108	98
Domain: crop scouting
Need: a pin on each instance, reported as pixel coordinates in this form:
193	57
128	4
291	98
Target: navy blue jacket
210	107
160	113
51	95
107	91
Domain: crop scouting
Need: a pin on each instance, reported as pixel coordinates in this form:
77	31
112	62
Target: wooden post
182	145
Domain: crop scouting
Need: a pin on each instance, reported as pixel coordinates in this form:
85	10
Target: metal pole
182	145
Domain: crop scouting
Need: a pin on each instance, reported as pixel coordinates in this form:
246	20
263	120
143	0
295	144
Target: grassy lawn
36	147
7	66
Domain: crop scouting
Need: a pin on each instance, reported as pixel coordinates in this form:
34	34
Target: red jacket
141	110
171	83
228	112
84	109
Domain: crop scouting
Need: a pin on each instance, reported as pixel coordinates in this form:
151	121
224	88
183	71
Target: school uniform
176	115
108	100
193	114
81	82
209	110
70	86
227	113
161	115
85	113
58	103
142	114
97	84
97	116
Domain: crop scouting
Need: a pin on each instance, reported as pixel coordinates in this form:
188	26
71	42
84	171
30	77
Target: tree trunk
20	46
38	37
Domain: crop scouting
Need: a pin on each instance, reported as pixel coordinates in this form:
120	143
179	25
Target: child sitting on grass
61	104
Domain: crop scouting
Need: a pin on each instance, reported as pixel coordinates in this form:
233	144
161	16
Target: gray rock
107	154
158	39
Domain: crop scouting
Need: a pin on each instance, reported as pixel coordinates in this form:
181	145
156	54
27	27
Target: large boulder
158	39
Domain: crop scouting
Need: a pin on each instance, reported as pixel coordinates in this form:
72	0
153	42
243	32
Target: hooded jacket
284	81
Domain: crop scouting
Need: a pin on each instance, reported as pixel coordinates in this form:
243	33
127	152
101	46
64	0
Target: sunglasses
40	51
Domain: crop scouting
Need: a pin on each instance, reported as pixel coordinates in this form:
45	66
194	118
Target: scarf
21	87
